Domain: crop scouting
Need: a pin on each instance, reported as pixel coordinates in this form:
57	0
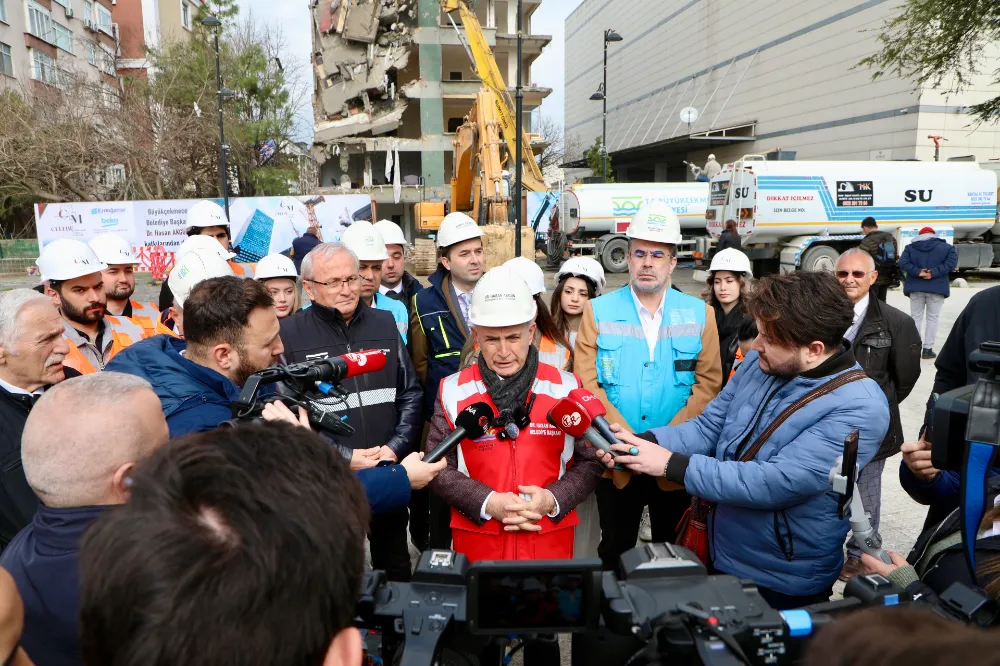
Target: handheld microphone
471	423
595	408
333	370
574	420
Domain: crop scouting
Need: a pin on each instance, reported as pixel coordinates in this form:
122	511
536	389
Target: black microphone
471	423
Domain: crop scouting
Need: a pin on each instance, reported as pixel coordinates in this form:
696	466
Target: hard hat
391	233
502	298
455	228
364	240
207	243
655	222
206	213
530	272
191	269
711	157
584	267
731	260
275	266
112	249
68	258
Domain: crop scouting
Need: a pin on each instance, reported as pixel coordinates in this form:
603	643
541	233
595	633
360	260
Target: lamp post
216	24
519	110
602	95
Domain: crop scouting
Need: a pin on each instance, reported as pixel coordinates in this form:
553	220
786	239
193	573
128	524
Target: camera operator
384	406
776	520
80	448
256	533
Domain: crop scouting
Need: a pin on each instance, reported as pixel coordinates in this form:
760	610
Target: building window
88	11
92	53
103	19
186	14
63	37
6	62
43	67
106	60
64	3
39	22
3	11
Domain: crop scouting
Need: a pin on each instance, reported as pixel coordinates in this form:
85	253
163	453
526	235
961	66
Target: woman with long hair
729	238
579	280
728	281
278	274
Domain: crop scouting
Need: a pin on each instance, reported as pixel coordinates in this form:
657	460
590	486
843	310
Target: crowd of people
141	524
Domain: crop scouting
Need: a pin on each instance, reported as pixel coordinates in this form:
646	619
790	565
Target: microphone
471	423
333	370
595	408
574	420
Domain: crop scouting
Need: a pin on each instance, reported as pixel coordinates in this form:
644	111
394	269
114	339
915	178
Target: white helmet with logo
191	269
584	267
203	243
113	250
530	272
391	233
206	213
655	222
502	298
731	260
455	228
68	258
364	240
276	266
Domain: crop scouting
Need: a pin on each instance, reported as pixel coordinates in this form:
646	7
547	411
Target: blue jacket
931	253
444	334
302	246
398	311
776	522
43	559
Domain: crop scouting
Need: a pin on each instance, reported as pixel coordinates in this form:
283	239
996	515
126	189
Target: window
6	63
3	11
64	3
43	67
185	14
103	19
88	11
92	53
454	76
106	60
63	37
39	22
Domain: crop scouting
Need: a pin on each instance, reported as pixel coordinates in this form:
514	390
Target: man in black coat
303	245
886	344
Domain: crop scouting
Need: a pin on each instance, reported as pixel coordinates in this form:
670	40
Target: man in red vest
512	491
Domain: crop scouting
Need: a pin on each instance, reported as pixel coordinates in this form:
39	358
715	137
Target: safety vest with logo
398	310
538	457
648	393
86	358
551	352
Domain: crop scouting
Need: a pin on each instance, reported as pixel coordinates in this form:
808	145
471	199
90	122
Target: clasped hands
519	514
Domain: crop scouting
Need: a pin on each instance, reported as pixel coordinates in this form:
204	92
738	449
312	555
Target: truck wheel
819	258
614	256
555	246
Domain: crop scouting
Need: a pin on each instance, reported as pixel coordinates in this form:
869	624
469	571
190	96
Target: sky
291	17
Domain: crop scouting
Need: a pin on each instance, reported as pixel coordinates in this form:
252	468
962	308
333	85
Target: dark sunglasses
857	275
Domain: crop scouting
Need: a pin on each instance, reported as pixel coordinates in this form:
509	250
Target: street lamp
602	96
213	22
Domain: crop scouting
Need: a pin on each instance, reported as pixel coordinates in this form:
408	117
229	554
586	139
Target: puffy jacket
396	309
437	336
383	406
776	521
410	288
194	398
933	254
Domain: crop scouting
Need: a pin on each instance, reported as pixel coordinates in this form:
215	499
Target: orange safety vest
146	316
243	270
553	353
538	457
123	331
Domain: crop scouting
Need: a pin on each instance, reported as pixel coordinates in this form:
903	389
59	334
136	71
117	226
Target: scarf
509	393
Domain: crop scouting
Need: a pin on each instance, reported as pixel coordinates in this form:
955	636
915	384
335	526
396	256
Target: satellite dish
689	114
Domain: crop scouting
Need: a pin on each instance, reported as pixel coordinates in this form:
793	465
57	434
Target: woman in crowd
278	274
579	280
728	281
729	238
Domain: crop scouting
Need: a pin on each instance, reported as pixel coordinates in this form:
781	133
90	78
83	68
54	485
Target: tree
553	153
593	157
941	43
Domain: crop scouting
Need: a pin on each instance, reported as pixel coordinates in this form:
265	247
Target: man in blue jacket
776	520
927	261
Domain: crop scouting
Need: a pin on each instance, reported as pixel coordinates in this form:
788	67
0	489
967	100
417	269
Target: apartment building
394	79
148	25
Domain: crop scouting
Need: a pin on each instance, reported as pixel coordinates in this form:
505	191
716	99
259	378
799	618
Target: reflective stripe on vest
243	270
552	353
123	331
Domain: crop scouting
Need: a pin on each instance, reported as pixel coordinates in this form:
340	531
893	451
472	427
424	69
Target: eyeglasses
337	284
655	254
857	275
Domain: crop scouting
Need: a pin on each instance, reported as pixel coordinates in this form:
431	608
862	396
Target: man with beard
75	284
119	282
763	449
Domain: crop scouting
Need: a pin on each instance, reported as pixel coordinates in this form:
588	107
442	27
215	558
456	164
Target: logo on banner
625	206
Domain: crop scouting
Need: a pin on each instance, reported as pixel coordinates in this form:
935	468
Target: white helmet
501	298
711	156
455	228
731	260
655	222
113	250
68	258
205	243
191	269
530	272
584	267
391	233
207	213
276	266
364	240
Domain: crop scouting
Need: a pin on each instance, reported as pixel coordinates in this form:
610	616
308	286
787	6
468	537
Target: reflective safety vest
243	270
147	317
538	457
553	353
86	358
398	310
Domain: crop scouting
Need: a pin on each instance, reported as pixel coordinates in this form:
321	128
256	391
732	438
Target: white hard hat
530	272
275	266
502	298
68	258
391	233
191	269
655	222
455	228
584	267
207	243
711	157
731	260
364	240
112	249
207	213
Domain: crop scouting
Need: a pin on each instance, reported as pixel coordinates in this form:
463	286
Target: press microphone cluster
471	423
581	415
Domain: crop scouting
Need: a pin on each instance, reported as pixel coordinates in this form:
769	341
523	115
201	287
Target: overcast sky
292	18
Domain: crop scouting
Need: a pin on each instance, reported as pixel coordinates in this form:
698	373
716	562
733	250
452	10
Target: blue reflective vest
398	310
647	393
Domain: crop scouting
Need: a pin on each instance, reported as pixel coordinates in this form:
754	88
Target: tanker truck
802	215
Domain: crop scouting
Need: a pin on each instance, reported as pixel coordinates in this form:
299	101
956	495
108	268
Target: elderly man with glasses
385	406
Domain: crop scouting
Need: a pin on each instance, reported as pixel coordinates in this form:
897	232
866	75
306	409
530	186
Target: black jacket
384	406
729	239
302	246
410	288
729	328
887	347
870	245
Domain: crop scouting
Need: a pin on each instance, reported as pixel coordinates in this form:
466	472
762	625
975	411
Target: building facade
148	25
774	78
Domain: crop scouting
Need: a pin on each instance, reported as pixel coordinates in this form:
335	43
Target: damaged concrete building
392	83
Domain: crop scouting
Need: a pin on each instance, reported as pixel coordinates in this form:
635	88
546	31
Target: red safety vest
538	457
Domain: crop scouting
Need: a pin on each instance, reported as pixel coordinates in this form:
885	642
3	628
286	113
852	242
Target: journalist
763	449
